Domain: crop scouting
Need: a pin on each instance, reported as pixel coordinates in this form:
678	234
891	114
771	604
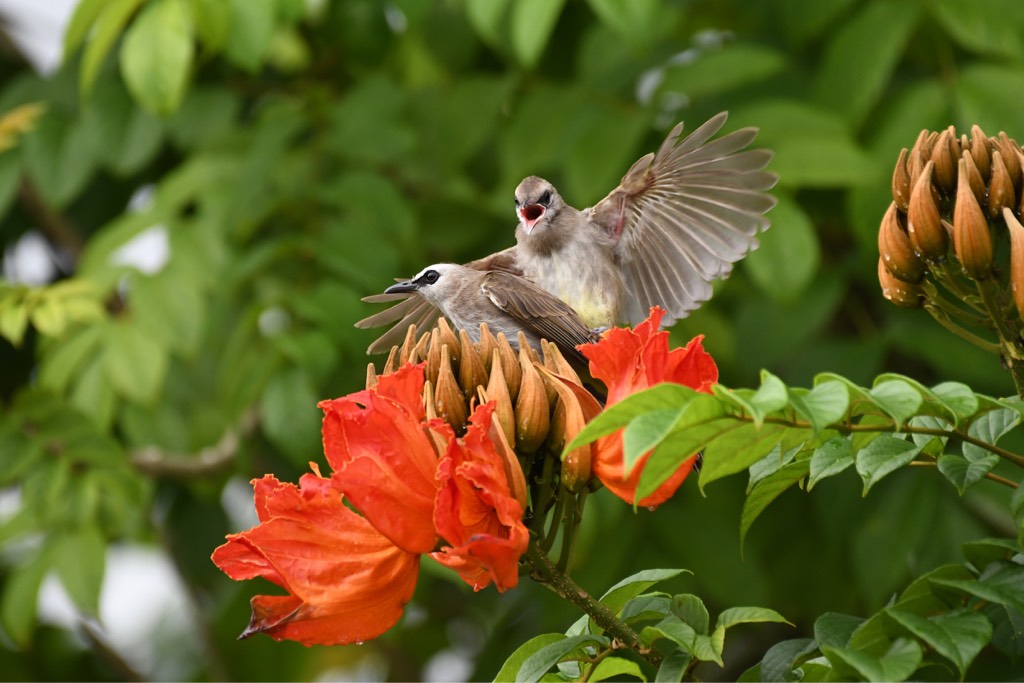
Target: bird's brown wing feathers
683	215
538	311
414	309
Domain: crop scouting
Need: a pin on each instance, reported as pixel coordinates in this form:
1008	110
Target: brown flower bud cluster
536	408
954	198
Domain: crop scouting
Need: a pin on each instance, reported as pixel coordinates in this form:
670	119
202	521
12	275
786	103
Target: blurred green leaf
289	415
821	162
488	18
789	255
156	56
636	20
10	178
13	320
719	71
124	136
995	29
79	556
134	363
252	27
979	101
84	16
67	356
212	20
20	595
107	29
533	22
865	52
59	156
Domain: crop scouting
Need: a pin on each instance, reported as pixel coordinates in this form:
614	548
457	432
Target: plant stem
988	475
1008	335
940	315
547	574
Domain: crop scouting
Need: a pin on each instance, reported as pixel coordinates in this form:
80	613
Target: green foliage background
302	154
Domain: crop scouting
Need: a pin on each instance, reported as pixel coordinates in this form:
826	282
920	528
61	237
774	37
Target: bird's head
437	283
537	203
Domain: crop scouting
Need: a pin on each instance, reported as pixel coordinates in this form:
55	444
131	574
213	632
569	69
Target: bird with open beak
507	303
679	219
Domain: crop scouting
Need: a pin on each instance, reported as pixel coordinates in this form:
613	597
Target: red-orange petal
346	582
476	512
383	459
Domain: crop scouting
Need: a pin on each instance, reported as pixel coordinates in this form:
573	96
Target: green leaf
901	660
611	667
617	416
979	88
59	156
79	557
135	363
996	31
252	27
989	427
691	610
645	432
825	404
770	464
779	660
13	321
829	459
648	607
488	19
533	22
674	666
749	615
671	628
1004	587
767	490
883	456
125	137
708	648
92	393
107	28
785	265
10	179
984	551
49	317
85	15
833	629
635	20
772	395
630	587
537	664
212	20
735	449
515	661
729	68
864	52
897	398
65	357
156	56
920	597
958	397
822	162
289	416
958	636
966	472
20	597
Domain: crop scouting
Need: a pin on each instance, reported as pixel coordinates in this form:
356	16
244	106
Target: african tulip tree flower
628	361
349	573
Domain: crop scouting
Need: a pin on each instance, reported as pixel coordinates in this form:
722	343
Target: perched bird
679	219
506	302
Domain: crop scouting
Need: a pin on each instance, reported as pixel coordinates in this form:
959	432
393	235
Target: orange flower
346	582
628	361
349	573
376	442
476	511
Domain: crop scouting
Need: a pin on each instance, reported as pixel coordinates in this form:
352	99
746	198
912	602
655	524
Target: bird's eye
431	276
516	200
545	198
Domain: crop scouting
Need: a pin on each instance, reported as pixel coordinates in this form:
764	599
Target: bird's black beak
402	288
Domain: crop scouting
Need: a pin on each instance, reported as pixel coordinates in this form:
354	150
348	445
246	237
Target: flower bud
439	442
575	407
371	376
447	336
896	250
972	241
408	344
1016	260
391	364
901	182
533	415
1009	149
509	366
513	470
900	293
497	391
422	347
980	152
487	346
448	398
472	373
924	222
1000	188
556	363
945	162
974	178
433	357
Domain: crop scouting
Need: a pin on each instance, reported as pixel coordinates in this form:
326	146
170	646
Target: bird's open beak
530	215
402	288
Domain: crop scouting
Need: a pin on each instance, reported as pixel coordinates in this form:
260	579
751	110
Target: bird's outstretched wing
683	215
535	310
414	309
